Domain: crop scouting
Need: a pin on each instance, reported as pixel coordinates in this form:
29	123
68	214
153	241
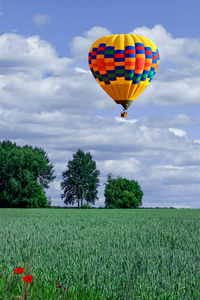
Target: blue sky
49	99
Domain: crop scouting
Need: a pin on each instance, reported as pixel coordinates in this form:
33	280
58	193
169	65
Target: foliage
80	180
124	253
122	193
85	206
24	174
40	200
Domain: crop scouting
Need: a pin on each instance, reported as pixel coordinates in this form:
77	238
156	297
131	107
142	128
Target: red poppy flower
59	285
28	278
19	270
65	288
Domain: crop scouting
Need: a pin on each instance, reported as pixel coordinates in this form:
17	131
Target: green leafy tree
80	180
127	200
24	174
122	193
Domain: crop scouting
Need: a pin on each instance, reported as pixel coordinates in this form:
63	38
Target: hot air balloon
123	65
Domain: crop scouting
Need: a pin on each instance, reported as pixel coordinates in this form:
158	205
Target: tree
127	200
122	193
24	174
80	180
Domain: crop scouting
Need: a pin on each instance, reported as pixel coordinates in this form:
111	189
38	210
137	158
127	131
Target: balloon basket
124	114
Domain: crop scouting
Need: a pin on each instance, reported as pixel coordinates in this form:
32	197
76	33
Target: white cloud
80	46
28	56
80	70
181	92
175	121
41	19
131	121
178	132
118	166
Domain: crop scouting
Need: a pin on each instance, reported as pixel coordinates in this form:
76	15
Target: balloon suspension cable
124	113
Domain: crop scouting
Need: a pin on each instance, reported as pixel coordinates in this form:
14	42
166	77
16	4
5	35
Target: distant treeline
100	207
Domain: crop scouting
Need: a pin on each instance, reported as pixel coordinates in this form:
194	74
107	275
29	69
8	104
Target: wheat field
110	254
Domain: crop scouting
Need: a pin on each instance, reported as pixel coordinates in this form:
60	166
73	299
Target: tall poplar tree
80	180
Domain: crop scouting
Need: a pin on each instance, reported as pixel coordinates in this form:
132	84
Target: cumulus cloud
30	69
166	122
46	102
178	132
41	19
181	92
28	55
80	45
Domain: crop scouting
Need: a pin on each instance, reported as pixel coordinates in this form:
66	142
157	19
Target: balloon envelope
123	65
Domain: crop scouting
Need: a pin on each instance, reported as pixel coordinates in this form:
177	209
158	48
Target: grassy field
102	254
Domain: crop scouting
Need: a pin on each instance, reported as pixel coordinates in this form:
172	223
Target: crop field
106	254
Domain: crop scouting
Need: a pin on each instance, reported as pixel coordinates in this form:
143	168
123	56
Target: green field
113	254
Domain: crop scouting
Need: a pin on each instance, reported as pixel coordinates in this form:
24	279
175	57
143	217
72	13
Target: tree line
26	172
